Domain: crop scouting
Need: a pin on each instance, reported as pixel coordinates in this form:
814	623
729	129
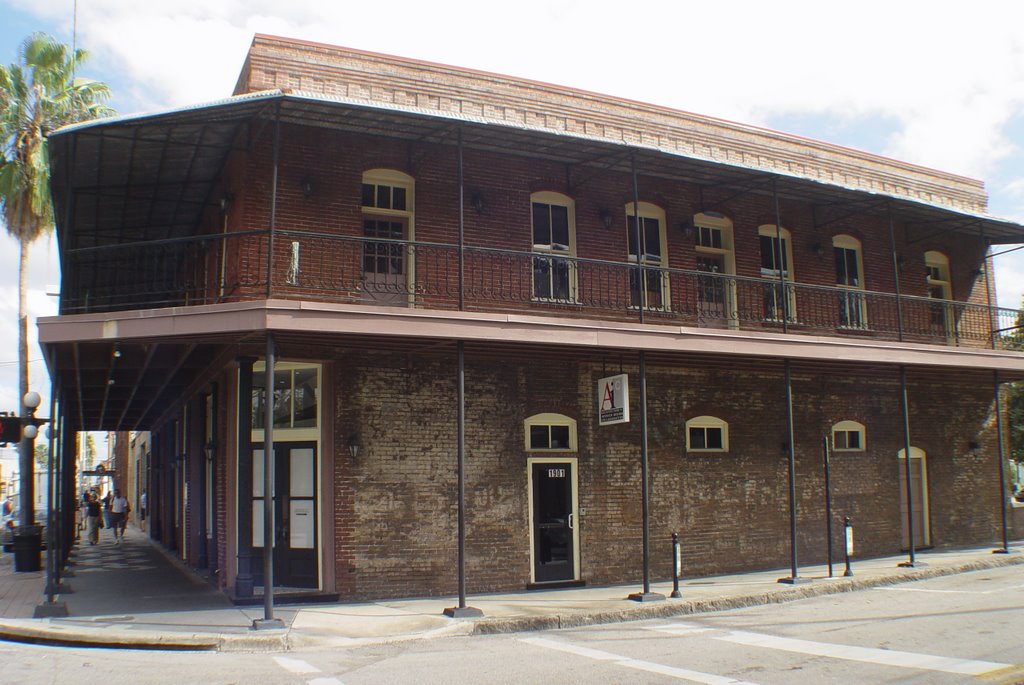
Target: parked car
11	521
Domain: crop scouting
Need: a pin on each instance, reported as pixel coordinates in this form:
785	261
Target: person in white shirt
119	507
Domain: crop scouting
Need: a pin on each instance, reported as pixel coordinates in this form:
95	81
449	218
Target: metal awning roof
149	177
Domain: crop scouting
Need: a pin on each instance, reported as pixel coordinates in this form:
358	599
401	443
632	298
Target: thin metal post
794	573
462	229
273	202
828	502
848	544
246	558
461	611
895	273
268	621
905	404
779	254
646	595
1002	465
993	317
677	566
640	289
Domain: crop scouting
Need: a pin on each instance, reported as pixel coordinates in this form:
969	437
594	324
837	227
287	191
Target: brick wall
396	514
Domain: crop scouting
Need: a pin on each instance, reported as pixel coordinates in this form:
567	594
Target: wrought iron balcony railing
324	267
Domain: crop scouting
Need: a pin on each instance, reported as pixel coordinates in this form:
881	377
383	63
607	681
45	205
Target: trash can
28	541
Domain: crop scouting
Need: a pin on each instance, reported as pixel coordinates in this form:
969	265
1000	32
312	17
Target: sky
936	83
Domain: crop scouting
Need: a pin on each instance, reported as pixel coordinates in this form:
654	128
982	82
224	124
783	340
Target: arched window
553	218
716	294
707	434
550	433
388	209
776	266
848	436
849	277
647	247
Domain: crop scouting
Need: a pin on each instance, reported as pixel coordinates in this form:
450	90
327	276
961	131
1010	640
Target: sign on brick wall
613	400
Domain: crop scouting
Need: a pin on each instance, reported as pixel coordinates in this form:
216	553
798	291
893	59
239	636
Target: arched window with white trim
648	248
553	220
549	432
777	266
716	292
850	278
707	434
388	212
848	436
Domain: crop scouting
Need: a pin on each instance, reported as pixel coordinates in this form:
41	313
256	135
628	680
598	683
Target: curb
46	632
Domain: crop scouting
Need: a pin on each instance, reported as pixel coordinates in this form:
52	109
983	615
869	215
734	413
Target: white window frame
788	276
649	210
394	179
550	419
853	300
708	422
304	433
850	427
554	250
723	224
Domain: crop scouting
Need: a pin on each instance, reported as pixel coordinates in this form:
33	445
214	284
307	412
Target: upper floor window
554	236
388	202
848	436
648	248
716	294
776	265
849	270
296	395
550	433
707	434
936	266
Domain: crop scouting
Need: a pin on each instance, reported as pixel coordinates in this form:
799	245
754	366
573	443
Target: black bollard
677	567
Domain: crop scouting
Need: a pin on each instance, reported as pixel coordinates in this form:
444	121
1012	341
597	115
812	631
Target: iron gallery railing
385	271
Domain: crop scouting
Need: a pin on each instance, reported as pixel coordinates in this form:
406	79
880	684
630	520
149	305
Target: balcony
234	267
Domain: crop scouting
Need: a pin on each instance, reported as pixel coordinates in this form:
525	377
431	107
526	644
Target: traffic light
10	428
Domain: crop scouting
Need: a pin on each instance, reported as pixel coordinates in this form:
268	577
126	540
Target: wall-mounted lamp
478	202
606	217
901	262
974	445
225	202
307	186
818	249
117	353
978	273
686	228
211	450
353	447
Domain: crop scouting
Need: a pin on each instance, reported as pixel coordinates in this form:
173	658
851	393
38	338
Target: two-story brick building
453	276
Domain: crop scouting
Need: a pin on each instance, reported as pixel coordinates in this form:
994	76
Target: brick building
452	279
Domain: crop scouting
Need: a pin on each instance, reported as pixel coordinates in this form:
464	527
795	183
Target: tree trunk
26	461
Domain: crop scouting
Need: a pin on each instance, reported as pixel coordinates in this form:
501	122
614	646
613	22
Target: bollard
677	566
848	531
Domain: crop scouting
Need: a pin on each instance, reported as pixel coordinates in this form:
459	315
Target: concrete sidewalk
134	595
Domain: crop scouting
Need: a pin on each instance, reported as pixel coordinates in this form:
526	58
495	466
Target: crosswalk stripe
884	657
627	662
295	665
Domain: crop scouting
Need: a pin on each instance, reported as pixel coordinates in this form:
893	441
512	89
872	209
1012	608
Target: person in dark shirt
92	518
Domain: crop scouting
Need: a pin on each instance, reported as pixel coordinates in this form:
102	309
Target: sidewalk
133	595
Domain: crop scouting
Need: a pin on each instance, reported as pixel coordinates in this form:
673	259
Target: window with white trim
553	221
648	248
716	293
936	269
848	436
849	277
549	433
777	266
707	434
388	211
296	395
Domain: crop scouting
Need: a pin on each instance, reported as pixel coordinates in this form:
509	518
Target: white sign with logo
613	400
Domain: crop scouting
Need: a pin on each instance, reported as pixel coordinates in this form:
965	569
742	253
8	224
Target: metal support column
646	595
640	290
1003	496
245	553
273	202
462	611
780	255
50	606
268	621
794	573
828	502
905	404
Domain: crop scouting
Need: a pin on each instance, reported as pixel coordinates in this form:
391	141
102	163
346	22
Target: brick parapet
336	72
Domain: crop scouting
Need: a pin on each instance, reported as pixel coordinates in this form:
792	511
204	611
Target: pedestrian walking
119	509
142	507
92	518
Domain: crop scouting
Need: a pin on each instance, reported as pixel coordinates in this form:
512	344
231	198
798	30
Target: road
957	629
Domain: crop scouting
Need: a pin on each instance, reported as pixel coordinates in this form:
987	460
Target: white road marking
627	662
884	657
325	681
938	592
295	665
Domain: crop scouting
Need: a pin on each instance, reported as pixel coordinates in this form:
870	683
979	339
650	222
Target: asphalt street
954	629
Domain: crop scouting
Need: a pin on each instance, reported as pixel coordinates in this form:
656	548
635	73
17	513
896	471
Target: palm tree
38	95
